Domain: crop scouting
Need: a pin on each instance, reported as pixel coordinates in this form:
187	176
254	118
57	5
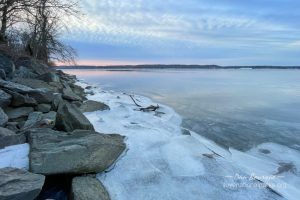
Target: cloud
190	29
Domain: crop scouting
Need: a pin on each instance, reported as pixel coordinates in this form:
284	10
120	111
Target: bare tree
12	12
46	25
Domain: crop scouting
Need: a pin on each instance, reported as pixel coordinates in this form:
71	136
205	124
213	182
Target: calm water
234	108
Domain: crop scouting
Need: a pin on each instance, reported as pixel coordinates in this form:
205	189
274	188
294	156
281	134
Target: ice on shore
15	156
161	163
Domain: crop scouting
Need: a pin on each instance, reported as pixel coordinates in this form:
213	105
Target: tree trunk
3	24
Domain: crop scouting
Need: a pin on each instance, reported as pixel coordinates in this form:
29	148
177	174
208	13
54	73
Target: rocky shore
44	108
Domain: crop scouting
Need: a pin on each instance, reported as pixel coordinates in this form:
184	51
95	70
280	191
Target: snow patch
15	156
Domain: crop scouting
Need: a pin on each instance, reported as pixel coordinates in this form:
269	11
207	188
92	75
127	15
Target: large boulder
3	117
6	64
14	86
68	94
42	95
57	100
44	108
5	99
24	72
49	77
2	74
16	113
34	65
17	184
40	120
70	118
88	188
54	152
91	106
21	100
8	138
35	83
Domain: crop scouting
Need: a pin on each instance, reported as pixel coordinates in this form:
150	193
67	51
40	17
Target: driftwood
150	108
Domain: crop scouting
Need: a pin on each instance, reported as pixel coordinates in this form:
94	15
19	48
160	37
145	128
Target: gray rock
78	90
35	84
88	188
14	87
44	108
15	113
68	94
21	100
6	64
49	77
54	152
3	117
70	118
5	99
8	138
13	126
40	95
34	65
17	184
2	74
40	120
57	99
24	72
91	106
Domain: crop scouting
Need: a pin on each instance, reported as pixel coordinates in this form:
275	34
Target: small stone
44	108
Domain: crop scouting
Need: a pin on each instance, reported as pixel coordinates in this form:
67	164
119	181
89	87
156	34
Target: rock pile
44	108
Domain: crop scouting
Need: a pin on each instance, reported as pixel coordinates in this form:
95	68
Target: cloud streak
221	31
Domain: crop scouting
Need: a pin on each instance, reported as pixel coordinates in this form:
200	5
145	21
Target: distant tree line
33	27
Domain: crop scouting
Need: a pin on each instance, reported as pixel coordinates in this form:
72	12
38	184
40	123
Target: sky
222	32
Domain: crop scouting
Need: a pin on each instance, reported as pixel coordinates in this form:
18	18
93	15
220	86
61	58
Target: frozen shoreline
160	159
162	163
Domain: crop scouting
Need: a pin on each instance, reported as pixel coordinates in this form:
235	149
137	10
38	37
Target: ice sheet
15	156
161	163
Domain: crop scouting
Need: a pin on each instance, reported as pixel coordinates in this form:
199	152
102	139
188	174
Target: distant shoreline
128	67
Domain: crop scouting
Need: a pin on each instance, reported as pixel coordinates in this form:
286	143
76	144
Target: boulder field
44	107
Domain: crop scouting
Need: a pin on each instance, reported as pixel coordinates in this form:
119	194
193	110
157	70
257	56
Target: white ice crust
161	163
15	156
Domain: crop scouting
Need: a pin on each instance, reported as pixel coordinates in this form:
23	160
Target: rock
34	65
8	138
13	126
14	87
78	90
5	99
91	106
24	72
40	120
57	99
17	184
6	64
68	94
3	117
44	108
21	100
88	188
15	113
2	74
54	152
49	77
70	118
35	84
41	95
